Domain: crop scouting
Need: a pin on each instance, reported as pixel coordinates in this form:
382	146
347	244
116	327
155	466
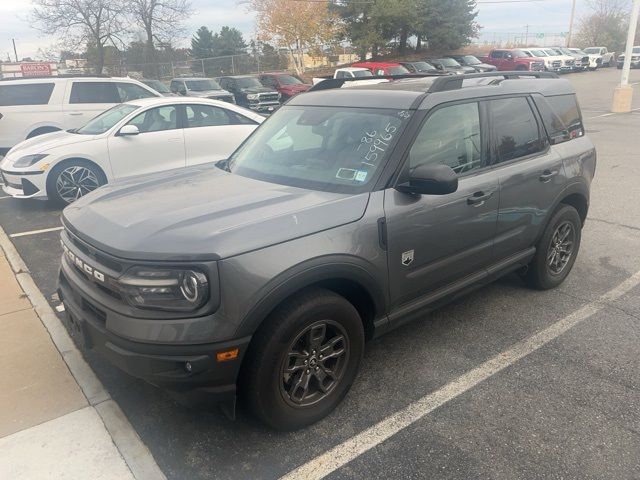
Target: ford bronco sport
346	214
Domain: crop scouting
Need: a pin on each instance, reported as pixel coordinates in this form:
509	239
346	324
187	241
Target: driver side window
450	136
156	119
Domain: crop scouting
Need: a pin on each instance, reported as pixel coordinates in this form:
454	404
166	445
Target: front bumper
268	107
24	184
191	372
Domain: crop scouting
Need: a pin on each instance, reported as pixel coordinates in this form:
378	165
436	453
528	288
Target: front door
434	240
158	146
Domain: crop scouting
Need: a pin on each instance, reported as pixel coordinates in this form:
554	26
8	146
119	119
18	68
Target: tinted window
107	120
561	117
94	92
26	94
496	54
515	129
208	116
131	91
451	136
269	81
156	119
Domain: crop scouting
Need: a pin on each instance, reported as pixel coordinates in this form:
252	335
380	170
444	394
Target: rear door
531	173
213	133
88	98
498	58
434	240
158	146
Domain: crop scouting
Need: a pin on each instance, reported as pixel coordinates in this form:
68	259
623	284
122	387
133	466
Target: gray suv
348	213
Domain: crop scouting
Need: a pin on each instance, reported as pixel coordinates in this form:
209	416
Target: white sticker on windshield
346	174
361	176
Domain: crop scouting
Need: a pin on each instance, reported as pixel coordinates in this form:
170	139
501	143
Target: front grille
585	60
97	256
268	97
569	63
556	64
537	66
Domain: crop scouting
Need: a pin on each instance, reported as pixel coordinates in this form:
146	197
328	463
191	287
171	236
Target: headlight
165	289
29	160
253	96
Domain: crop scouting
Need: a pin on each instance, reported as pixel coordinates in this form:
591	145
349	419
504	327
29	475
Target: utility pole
526	37
15	52
623	94
573	16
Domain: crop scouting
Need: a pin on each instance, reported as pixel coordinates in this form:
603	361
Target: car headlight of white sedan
29	160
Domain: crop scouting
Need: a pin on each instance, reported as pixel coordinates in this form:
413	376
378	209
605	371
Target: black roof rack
53	77
330	83
454	82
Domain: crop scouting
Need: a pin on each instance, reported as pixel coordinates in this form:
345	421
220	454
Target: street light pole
15	52
623	94
573	16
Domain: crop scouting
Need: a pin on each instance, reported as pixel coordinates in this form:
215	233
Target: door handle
479	198
75	114
547	175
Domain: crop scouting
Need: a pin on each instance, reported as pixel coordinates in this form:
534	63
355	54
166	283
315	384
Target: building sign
35	69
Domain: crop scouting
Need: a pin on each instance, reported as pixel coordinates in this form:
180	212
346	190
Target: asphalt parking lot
506	383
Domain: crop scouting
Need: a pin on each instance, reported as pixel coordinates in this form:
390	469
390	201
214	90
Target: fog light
188	367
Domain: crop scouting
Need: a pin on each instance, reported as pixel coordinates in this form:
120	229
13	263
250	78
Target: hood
251	90
43	143
210	93
484	66
203	213
595	56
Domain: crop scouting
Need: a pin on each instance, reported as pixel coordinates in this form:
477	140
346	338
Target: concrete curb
126	439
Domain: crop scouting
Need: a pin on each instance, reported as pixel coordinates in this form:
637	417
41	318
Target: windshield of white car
330	149
423	67
157	85
538	53
592	50
362	73
203	85
107	119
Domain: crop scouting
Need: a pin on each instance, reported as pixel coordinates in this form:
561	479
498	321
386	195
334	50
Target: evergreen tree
202	43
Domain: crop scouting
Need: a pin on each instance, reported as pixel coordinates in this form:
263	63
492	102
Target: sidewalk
50	426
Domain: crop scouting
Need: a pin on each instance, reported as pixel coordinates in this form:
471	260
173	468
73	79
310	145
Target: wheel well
578	202
83	160
41	131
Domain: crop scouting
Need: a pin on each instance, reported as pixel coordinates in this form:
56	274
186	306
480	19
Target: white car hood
43	143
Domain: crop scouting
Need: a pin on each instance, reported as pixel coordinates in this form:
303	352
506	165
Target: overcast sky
543	16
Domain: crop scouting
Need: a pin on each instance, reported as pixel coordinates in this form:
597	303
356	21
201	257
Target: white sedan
133	138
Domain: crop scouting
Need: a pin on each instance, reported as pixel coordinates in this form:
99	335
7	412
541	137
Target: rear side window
26	94
209	116
131	91
94	92
561	117
515	129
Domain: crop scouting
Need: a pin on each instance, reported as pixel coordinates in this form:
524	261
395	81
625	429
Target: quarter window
561	117
208	116
26	94
156	119
515	129
94	92
131	91
450	136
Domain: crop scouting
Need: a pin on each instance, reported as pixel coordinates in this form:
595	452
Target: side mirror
128	131
508	56
431	180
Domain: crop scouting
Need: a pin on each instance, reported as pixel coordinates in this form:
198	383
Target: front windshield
203	85
321	148
107	119
423	67
566	51
470	60
550	52
592	50
289	80
449	62
248	82
157	85
362	73
538	53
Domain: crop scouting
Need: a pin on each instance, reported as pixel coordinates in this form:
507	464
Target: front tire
557	249
73	179
303	360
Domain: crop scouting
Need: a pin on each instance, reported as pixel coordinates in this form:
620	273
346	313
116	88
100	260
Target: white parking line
611	113
347	451
35	232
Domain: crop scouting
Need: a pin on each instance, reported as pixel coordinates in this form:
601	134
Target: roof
409	93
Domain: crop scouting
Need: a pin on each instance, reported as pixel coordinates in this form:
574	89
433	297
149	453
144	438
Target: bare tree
161	22
95	23
605	25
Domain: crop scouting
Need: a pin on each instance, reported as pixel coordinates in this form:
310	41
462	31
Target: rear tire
73	179
557	249
303	360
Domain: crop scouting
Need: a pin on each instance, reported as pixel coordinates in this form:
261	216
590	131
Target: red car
513	59
285	83
383	68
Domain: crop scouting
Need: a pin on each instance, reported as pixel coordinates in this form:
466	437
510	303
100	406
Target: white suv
33	106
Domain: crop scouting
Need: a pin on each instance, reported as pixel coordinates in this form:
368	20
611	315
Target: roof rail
53	77
330	83
454	82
